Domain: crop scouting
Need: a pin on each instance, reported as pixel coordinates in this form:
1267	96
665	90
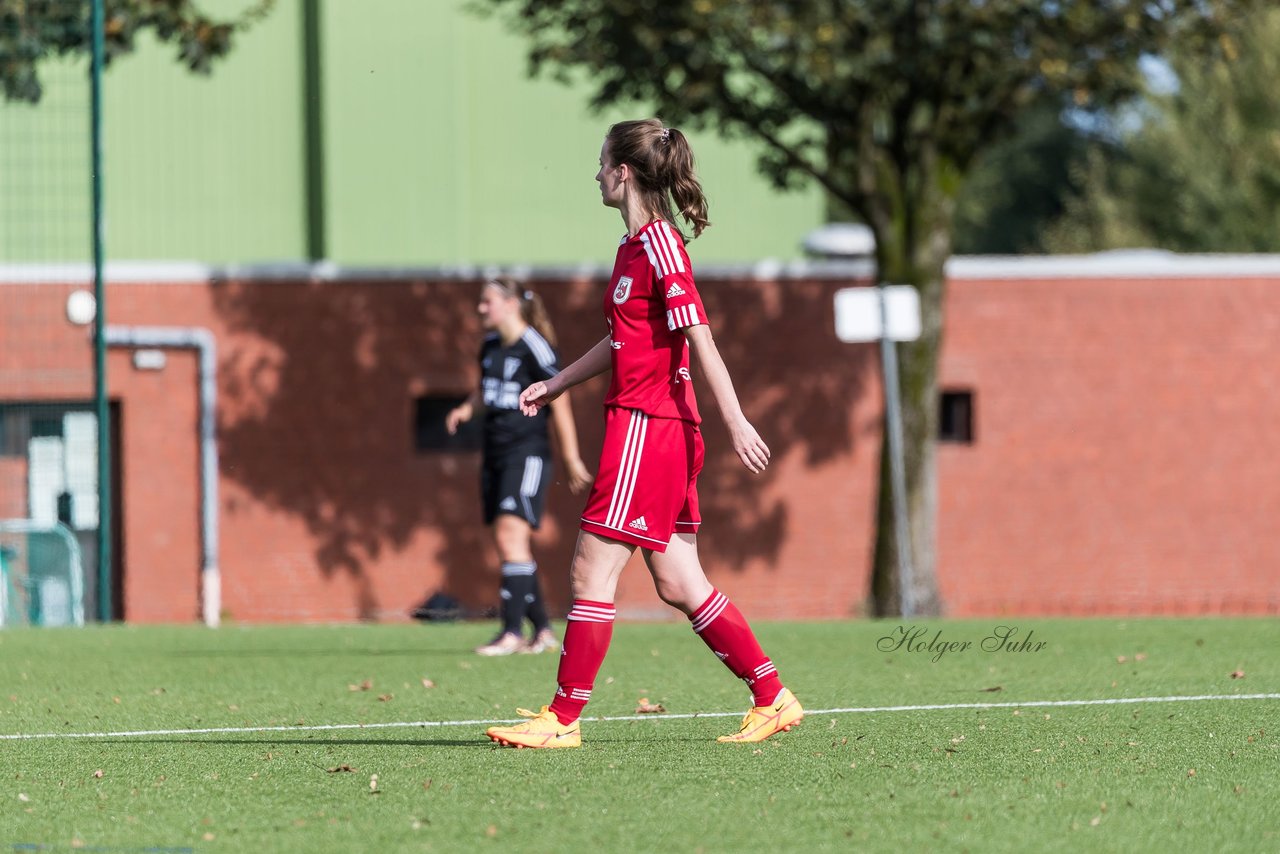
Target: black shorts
515	485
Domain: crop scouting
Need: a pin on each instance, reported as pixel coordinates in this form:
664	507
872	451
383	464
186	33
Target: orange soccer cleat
543	729
763	721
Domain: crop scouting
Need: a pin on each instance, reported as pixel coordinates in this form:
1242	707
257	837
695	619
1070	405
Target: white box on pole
858	313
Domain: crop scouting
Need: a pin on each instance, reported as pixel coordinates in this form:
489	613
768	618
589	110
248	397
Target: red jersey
651	300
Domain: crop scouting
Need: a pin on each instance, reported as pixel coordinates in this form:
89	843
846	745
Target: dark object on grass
439	608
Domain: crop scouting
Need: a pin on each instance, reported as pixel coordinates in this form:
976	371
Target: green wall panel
437	151
440	150
208	168
44	170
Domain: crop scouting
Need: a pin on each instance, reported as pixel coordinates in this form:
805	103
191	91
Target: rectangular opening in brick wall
430	435
22	421
955	417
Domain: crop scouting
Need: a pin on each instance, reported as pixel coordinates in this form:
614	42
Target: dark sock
537	606
517	588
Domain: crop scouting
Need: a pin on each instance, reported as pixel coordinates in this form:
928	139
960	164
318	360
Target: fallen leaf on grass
1237	674
98	773
382	698
363	686
427	683
335	769
644	707
993	689
373	784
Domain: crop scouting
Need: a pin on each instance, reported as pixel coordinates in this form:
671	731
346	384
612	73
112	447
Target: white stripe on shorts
529	483
628	470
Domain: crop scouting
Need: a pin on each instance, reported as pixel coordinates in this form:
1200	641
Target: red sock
723	628
586	640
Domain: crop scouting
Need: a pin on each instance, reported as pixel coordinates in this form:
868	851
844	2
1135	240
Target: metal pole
897	468
99	318
313	130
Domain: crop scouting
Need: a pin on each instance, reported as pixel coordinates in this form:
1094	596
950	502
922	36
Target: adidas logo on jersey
675	291
508	503
639	524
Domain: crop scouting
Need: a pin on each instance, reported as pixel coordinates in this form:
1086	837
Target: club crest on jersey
623	290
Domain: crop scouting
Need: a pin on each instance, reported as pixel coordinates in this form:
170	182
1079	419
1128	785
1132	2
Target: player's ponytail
532	309
682	181
535	314
662	161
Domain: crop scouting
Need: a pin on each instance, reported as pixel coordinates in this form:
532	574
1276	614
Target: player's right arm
591	364
463	412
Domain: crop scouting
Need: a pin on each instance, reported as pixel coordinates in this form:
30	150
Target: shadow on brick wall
318	381
797	385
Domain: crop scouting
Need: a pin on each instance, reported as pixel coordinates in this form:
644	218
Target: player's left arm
747	443
567	438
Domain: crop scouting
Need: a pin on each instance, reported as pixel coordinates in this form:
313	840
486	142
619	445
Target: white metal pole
897	467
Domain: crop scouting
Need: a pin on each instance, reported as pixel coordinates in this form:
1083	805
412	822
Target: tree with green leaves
1196	165
34	30
1019	186
885	104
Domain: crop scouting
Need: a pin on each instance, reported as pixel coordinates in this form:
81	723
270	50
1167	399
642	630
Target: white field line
1030	704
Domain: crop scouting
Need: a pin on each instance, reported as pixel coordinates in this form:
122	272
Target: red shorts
646	487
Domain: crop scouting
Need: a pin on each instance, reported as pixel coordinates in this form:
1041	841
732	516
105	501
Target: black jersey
505	372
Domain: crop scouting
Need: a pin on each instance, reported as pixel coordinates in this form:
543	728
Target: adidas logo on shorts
508	503
675	291
639	524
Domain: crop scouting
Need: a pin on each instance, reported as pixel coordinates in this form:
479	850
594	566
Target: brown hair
662	161
532	310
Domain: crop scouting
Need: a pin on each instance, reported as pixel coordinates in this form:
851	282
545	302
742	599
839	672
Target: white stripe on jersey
541	350
628	470
654	259
663	248
673	246
682	316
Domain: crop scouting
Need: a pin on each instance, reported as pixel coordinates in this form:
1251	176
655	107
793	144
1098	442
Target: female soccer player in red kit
645	493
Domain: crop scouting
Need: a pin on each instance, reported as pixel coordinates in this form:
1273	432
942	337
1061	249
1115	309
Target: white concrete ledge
1145	263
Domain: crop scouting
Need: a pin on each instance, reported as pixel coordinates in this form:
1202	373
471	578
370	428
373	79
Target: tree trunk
912	249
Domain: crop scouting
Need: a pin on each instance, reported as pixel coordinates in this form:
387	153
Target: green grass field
861	773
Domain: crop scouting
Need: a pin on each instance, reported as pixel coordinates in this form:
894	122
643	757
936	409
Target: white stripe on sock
710	612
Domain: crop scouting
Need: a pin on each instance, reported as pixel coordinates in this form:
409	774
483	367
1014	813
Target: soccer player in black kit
518	350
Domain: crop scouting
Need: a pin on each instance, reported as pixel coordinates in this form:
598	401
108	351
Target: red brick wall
1123	461
1120	464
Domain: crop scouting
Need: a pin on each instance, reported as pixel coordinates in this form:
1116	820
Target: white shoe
543	641
504	644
